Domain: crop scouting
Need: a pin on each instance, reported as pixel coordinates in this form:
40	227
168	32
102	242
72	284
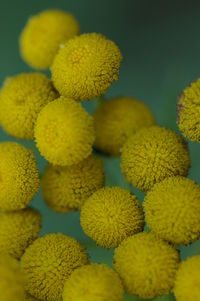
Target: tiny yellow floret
95	282
47	264
146	265
86	66
116	119
153	154
43	35
19	176
64	132
21	99
66	188
110	215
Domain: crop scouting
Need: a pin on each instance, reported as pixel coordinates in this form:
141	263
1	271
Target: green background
160	43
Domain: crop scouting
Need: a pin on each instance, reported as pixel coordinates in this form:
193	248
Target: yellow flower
110	215
95	282
21	99
19	176
48	262
147	265
86	66
18	229
43	34
153	154
187	284
66	188
116	119
172	210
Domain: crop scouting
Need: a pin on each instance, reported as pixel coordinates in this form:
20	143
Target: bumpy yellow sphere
21	99
43	34
110	215
86	66
47	264
187	284
147	265
116	119
19	176
66	188
18	229
95	282
153	154
64	132
172	210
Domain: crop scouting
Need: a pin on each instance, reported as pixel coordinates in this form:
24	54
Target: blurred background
160	43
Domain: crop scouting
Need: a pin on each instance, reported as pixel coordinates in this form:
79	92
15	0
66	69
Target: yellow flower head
95	282
21	99
86	66
48	262
110	215
18	229
64	132
153	154
187	284
147	265
66	188
116	119
19	176
172	210
43	34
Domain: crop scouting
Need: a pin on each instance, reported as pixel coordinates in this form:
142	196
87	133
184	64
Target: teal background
160	43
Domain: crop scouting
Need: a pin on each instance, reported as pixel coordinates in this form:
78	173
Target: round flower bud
86	66
116	119
47	264
153	154
64	132
146	265
21	99
43	34
110	215
187	286
66	188
19	176
172	210
94	282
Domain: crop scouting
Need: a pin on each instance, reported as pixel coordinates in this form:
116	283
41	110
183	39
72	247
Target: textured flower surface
30	298
153	154
65	188
95	282
110	215
43	34
47	264
21	99
64	132
116	119
86	66
19	176
147	265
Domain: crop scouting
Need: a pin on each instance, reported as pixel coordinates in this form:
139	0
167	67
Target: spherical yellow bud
95	282
110	215
172	210
18	229
86	66
64	132
21	99
147	265
48	262
66	188
153	154
187	286
43	34
19	176
116	119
